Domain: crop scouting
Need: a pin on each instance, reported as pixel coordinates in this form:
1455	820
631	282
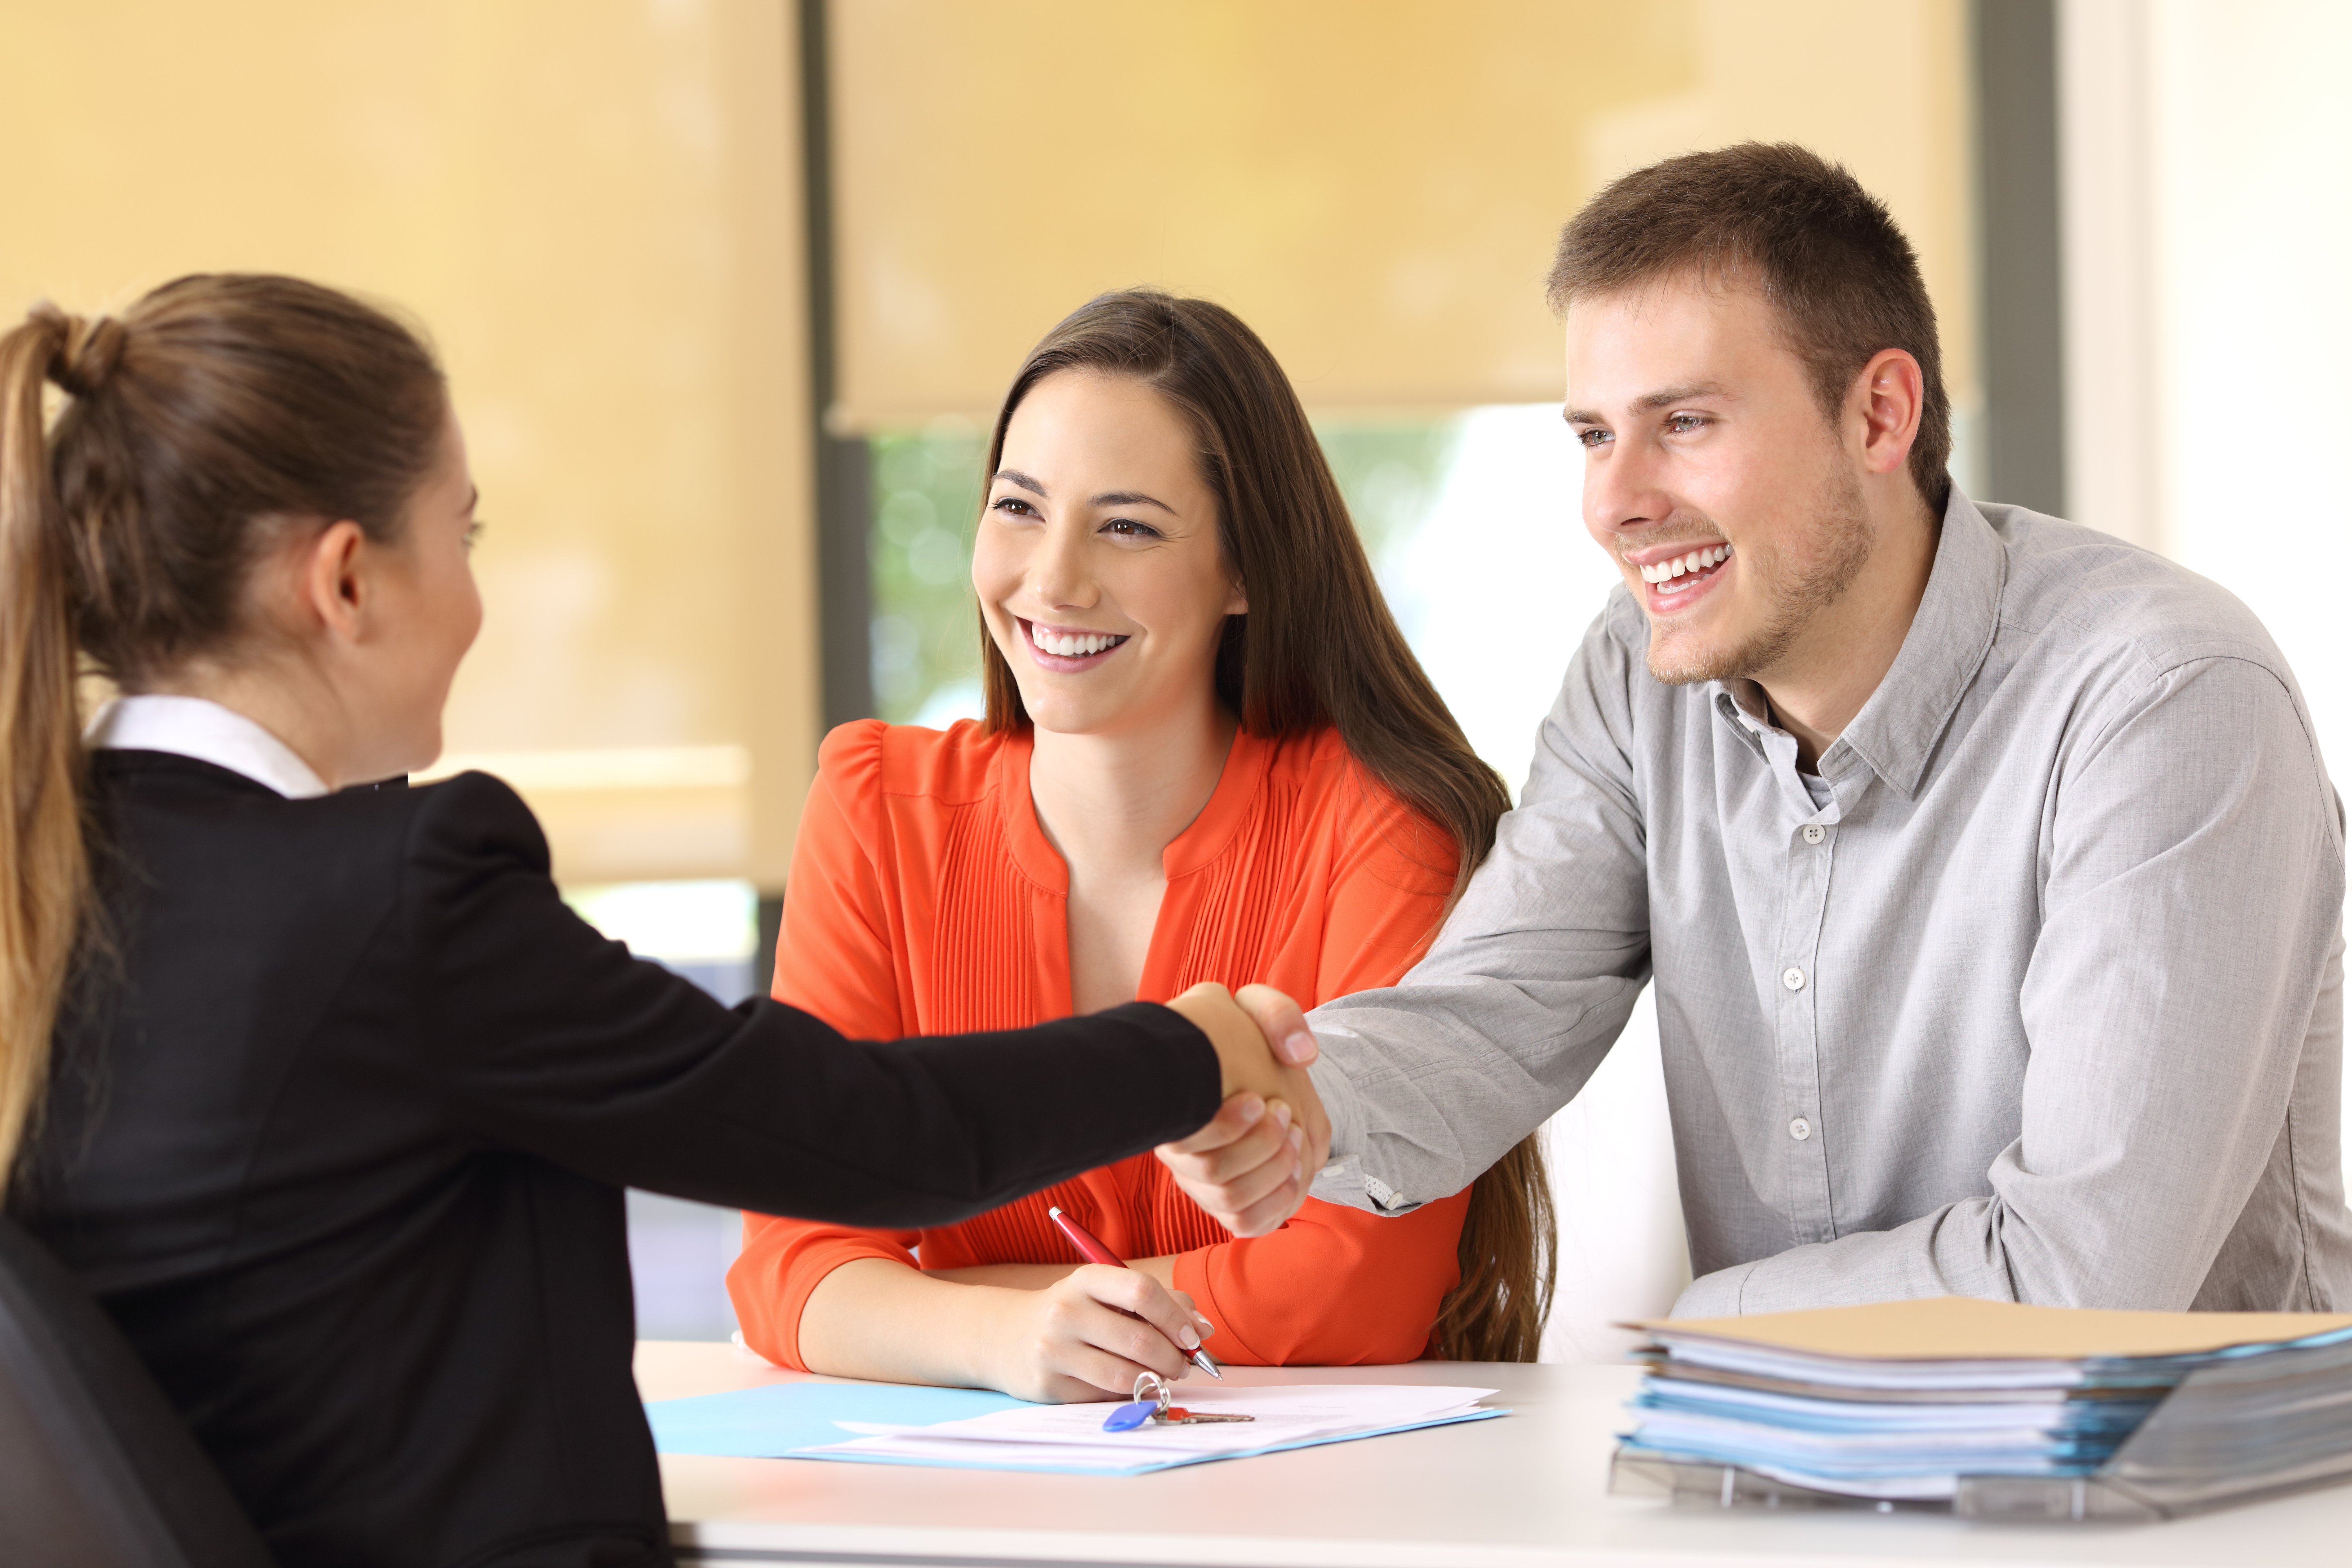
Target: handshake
1250	1165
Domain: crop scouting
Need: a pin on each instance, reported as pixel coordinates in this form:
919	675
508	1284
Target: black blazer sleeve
539	1035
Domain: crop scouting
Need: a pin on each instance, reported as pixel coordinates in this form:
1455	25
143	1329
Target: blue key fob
1128	1417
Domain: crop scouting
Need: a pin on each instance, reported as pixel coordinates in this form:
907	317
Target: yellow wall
594	206
1374	184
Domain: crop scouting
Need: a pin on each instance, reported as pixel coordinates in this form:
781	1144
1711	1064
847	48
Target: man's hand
1249	1167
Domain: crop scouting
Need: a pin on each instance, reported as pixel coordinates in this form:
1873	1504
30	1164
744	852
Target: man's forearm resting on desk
2144	1106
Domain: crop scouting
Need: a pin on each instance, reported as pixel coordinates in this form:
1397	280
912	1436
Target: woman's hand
1250	1167
1074	1339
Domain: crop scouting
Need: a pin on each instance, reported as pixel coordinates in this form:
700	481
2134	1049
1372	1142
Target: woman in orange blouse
1207	755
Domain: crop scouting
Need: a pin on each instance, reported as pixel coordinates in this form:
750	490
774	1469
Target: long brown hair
218	410
1318	647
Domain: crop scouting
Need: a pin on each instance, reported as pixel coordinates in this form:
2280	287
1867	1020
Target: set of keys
1152	1403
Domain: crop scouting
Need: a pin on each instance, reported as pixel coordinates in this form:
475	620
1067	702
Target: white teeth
1684	565
1068	645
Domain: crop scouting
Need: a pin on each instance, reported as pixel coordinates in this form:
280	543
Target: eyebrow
1665	397
1132	497
1108	498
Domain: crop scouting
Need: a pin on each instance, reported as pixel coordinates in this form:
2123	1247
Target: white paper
1072	1436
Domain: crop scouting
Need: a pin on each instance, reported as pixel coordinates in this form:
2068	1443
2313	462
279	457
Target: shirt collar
195	727
1896	730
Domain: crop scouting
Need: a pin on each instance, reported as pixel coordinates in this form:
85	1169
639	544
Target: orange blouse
925	898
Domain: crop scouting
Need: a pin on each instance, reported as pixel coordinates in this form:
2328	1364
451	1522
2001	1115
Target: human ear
1893	394
332	580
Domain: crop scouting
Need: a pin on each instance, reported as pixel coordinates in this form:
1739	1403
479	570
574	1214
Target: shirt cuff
1343	1180
1340	1104
1338	1182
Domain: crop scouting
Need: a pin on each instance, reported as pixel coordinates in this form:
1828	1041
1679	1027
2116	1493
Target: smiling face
1098	563
1733	507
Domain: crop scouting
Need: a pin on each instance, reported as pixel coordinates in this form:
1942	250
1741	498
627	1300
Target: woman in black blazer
339	1098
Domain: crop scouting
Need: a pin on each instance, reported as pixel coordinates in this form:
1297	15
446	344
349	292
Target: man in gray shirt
1985	866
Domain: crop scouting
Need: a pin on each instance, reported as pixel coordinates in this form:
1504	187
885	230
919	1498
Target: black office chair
96	1470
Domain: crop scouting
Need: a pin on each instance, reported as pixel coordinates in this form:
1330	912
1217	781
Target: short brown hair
1824	251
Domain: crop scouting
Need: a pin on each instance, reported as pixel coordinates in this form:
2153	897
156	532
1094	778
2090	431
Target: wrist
986	1335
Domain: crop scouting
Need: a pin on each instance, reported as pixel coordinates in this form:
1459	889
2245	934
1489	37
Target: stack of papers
1903	1400
966	1428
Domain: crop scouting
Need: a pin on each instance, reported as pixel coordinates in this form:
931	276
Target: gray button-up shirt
2044	1003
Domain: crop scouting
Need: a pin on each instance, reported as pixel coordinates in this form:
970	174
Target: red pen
1093	1251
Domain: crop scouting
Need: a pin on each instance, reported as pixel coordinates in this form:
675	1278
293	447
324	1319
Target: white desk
1522	1492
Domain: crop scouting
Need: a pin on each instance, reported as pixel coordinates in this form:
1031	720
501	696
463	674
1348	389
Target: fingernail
1207	1328
1189	1337
1298	1170
1252	1108
1282	1115
1298	1139
1299	1047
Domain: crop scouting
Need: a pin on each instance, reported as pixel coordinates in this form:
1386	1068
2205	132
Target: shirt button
1793	978
1800	1129
1815	833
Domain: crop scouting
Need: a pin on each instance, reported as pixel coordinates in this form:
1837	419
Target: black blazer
338	1126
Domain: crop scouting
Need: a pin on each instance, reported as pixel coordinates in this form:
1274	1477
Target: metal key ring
1149	1387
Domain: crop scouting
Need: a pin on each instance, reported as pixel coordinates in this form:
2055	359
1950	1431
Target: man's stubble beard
1792	600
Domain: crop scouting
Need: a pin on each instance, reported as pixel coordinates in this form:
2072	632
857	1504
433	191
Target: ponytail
219	411
44	861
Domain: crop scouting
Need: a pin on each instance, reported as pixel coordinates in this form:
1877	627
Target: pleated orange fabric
926	898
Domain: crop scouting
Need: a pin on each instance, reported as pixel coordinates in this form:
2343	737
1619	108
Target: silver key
1149	1389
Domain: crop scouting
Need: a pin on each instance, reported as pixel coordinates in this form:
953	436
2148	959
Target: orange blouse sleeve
833	959
1335	1286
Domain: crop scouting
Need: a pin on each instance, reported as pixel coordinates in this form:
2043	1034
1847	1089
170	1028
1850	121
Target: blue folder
785	1420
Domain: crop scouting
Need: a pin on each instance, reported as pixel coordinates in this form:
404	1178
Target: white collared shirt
196	727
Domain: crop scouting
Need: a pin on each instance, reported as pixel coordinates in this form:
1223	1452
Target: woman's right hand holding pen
1074	1340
